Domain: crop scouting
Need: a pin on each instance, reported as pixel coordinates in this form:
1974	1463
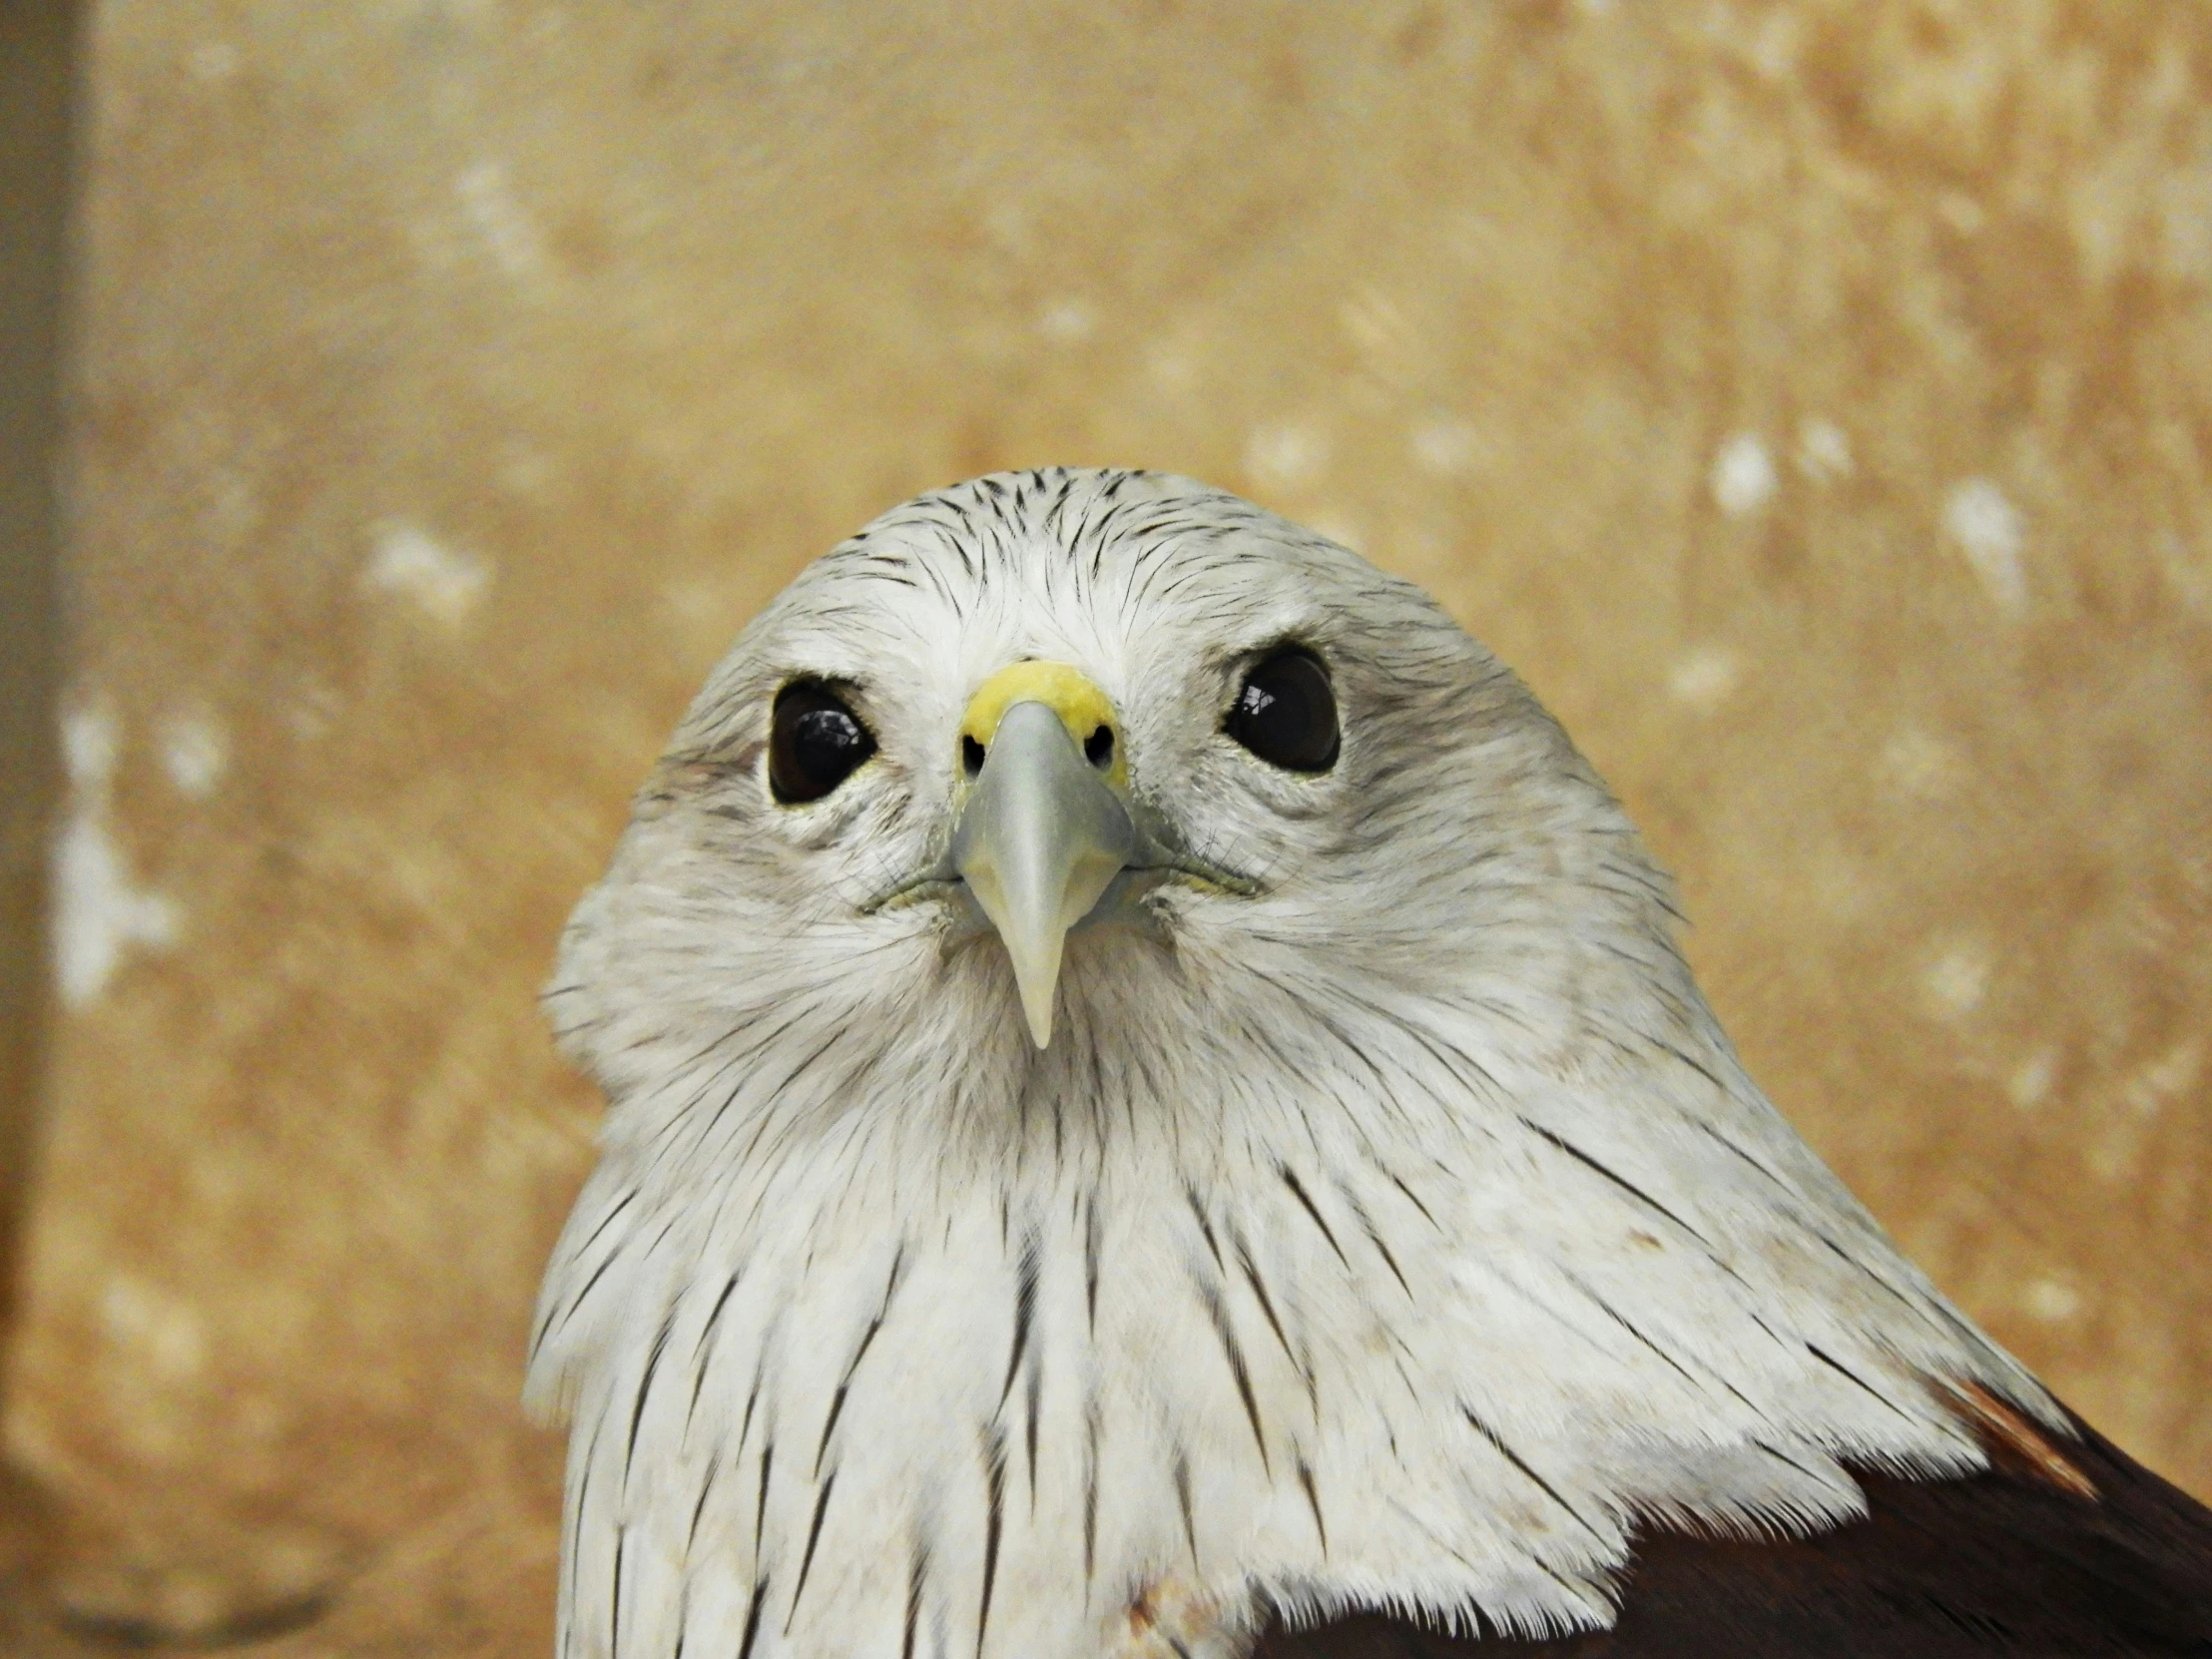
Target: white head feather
1396	1233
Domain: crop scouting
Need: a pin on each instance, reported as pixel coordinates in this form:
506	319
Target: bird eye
814	744
1285	713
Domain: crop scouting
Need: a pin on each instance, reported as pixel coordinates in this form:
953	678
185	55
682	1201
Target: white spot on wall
1172	366
1744	478
2183	217
90	746
524	471
1704	678
1919	765
1956	980
2029	1085
1067	323
2050	1300
1475	238
1777	44
507	231
212	59
1962	213
2151	1086
101	913
1446	446
1986	528
1009	224
312	715
1376	326
194	754
164	1327
2186	567
444	583
1823	452
1286	453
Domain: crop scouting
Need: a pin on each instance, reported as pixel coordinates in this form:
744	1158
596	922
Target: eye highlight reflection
814	744
1286	714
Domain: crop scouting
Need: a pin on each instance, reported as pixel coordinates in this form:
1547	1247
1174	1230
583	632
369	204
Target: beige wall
1813	398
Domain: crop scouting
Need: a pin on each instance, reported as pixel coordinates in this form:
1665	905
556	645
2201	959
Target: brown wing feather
2019	1561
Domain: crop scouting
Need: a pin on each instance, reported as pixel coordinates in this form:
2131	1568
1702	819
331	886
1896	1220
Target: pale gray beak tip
1036	1008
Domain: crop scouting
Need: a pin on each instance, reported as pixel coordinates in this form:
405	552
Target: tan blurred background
1813	400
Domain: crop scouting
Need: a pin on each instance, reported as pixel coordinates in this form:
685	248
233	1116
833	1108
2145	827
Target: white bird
1154	1109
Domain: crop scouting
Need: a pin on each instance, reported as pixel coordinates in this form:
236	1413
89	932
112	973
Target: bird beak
1042	829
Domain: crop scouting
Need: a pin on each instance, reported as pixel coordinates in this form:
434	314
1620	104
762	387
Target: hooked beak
1042	830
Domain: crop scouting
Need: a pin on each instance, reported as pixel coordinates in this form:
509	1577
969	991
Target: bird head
1051	762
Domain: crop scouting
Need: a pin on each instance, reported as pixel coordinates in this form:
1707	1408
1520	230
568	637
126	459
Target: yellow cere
1068	692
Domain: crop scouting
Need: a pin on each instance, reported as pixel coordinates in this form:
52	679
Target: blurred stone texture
1813	400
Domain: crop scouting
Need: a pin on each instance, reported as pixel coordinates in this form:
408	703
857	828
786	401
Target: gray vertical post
35	104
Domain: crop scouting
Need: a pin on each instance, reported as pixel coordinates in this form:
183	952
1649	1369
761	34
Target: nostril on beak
1098	748
972	755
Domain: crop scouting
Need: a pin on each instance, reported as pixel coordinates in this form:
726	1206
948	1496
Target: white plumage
1387	1223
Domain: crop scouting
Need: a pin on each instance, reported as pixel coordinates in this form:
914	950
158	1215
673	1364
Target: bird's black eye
1285	713
814	744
